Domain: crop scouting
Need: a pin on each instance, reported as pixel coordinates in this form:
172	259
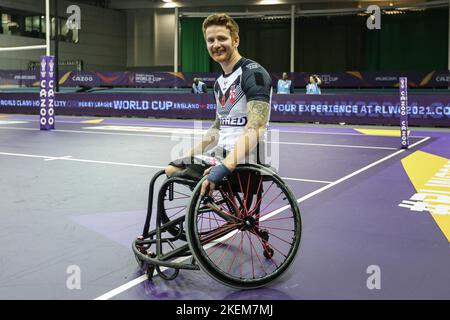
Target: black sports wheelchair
245	234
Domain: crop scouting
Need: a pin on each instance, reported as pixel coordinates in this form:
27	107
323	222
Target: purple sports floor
376	218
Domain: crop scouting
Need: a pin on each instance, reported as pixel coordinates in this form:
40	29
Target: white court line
285	131
170	136
69	158
58	158
66	158
104	133
306	180
333	145
112	293
345	134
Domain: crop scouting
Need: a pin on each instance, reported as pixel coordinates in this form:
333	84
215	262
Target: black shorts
193	168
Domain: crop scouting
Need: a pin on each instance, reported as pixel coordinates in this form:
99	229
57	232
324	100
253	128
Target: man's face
220	44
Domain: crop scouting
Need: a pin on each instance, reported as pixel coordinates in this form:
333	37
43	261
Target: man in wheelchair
242	93
242	224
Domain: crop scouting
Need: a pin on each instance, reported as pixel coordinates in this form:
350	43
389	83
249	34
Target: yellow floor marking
424	169
381	132
93	121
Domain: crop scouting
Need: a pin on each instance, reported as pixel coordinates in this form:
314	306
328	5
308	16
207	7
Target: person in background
284	85
198	86
313	85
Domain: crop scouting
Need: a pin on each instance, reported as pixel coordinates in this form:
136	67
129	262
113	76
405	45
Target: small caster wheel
264	234
141	249
268	252
150	269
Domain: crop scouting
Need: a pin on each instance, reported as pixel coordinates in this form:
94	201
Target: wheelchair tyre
248	243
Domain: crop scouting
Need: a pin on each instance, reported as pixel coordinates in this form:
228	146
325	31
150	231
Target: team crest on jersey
223	100
232	94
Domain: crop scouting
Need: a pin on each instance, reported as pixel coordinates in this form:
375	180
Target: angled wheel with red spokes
247	232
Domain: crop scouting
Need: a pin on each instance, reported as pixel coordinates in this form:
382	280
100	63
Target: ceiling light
269	2
169	5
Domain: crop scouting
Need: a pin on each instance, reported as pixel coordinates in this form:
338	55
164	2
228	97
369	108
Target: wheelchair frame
154	261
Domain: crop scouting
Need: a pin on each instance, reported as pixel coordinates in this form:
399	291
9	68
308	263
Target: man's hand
215	175
207	186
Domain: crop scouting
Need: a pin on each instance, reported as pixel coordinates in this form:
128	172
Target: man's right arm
209	139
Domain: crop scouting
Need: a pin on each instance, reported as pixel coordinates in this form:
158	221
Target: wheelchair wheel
248	232
176	197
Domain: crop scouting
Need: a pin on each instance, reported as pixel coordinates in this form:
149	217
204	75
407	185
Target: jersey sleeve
256	82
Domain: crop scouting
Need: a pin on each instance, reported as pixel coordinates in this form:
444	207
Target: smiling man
243	93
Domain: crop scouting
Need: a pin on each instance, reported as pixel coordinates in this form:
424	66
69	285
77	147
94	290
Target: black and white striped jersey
248	81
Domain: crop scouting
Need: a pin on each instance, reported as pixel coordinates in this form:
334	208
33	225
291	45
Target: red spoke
262	210
242	191
175	213
232	201
270	219
209	219
176	207
201	223
242	251
222	205
213	219
257	255
217	221
259	201
218	246
257	192
210	228
262	243
235	255
187	196
251	253
225	252
217	233
229	214
276	228
274	235
246	194
223	225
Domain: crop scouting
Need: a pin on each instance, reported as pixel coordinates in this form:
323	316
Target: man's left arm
257	116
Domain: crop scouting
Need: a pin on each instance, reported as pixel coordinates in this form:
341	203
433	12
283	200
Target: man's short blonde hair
221	19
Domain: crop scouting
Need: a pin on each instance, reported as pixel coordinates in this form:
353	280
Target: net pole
47	80
175	41
403	85
292	38
47	27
